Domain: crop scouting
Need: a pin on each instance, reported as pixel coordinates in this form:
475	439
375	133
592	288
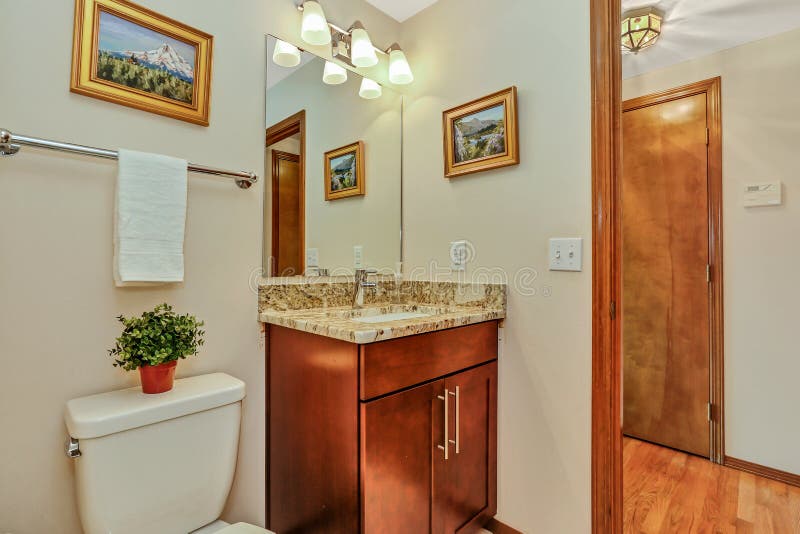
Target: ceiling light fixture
334	74
286	54
314	29
641	29
370	89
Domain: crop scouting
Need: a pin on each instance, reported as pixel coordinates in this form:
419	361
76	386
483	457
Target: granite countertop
321	306
339	323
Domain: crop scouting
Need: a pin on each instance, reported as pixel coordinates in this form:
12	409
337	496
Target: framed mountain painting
344	172
482	134
129	55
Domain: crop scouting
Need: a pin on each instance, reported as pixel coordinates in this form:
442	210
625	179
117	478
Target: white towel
150	219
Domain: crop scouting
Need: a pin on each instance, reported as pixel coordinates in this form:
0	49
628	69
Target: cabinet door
467	485
397	443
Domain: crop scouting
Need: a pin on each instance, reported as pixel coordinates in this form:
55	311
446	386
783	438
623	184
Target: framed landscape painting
127	54
482	134
344	172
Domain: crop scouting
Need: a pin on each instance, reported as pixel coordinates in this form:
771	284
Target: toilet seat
243	528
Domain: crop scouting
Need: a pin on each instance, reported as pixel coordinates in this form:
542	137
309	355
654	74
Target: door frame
712	89
606	143
292	125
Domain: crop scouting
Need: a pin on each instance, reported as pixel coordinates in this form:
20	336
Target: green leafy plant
157	337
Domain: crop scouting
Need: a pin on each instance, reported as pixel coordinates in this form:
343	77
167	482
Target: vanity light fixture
352	47
362	53
641	29
314	29
334	74
286	54
399	69
370	89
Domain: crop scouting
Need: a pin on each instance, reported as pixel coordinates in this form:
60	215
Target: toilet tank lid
125	409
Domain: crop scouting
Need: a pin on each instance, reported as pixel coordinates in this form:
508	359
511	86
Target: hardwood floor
666	491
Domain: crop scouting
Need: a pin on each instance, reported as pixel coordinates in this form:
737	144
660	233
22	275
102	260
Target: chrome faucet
360	284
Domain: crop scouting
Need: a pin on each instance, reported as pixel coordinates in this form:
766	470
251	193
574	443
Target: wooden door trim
762	470
606	80
295	124
497	527
712	88
286	128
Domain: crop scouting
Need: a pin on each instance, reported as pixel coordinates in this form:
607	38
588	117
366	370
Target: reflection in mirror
333	168
710	134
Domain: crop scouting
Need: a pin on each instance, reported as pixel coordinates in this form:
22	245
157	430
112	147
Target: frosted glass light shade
286	54
314	28
399	69
369	89
334	74
362	53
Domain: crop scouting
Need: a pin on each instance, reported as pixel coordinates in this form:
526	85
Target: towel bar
10	145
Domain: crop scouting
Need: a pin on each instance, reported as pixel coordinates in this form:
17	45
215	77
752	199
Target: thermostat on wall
763	194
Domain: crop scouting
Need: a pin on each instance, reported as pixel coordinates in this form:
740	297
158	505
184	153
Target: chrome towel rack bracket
10	145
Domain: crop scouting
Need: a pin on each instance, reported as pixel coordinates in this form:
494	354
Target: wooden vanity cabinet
357	433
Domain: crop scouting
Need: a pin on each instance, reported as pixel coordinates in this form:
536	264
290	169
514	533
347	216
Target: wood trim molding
295	124
286	128
764	471
496	527
712	88
606	81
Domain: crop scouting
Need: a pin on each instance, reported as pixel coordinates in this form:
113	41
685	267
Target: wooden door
287	214
398	439
665	250
466	483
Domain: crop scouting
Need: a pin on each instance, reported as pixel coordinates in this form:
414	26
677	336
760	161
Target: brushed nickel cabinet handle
457	442
446	446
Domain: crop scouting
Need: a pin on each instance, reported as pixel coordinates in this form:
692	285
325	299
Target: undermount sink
387	317
388	313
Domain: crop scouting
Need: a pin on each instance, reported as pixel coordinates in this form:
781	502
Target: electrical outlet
312	257
358	257
566	254
458	255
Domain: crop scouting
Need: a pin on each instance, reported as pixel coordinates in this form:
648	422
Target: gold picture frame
113	60
345	173
482	134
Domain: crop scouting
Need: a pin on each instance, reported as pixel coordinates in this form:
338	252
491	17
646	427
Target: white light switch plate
458	255
566	254
358	257
312	257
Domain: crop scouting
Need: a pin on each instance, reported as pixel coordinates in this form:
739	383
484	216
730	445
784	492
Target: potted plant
154	342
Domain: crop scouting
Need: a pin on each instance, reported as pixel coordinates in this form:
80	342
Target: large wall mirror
333	168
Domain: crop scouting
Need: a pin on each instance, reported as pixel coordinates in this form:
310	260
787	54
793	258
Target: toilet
160	464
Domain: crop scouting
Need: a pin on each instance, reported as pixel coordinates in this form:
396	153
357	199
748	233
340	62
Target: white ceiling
695	28
401	10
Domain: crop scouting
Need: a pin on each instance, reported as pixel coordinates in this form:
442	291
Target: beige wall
760	136
58	300
461	50
336	116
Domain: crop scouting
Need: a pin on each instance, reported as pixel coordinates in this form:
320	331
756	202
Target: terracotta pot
158	378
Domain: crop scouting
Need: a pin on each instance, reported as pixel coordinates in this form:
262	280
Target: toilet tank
156	463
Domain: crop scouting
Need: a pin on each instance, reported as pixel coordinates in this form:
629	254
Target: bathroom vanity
381	393
383	425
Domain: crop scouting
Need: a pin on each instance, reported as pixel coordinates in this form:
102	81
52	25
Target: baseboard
766	472
496	527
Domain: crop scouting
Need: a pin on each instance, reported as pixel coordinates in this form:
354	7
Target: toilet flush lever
71	448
